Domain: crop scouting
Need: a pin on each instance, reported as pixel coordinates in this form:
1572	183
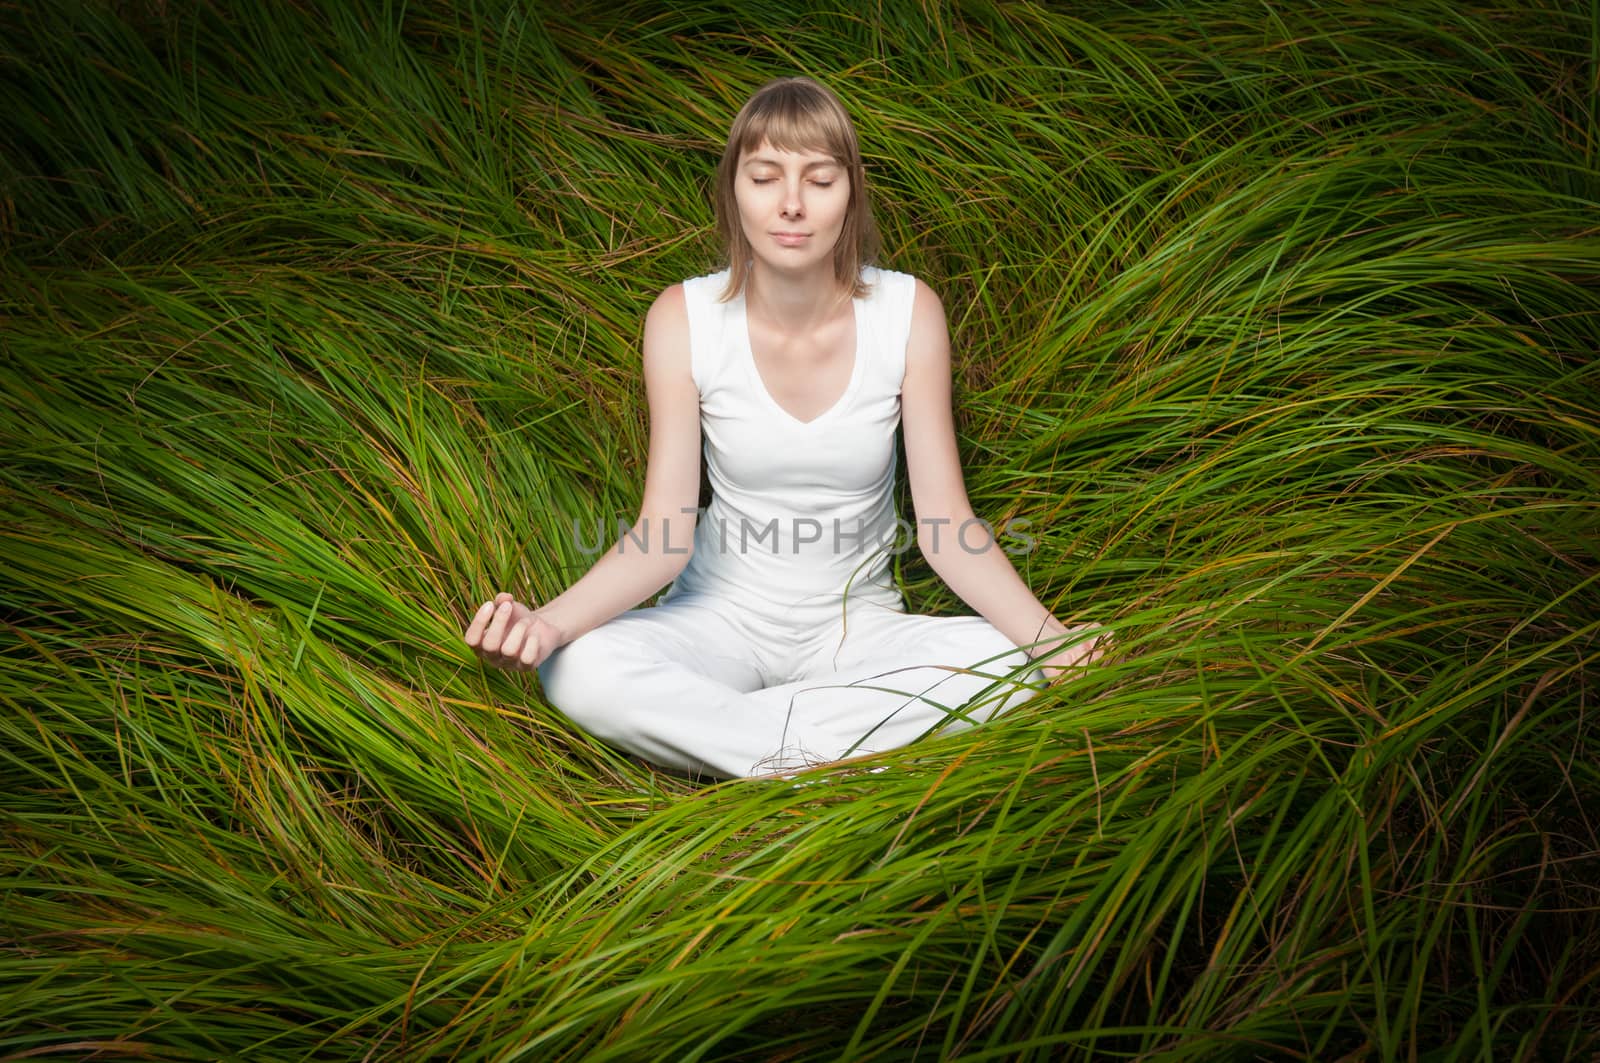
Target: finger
503	596
497	628
1094	646
533	650
480	620
514	639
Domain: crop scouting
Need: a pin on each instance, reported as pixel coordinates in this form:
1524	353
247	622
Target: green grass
1277	323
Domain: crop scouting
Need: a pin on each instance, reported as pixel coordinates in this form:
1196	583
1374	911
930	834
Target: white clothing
784	641
777	482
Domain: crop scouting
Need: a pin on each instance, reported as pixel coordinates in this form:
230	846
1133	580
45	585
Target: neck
793	300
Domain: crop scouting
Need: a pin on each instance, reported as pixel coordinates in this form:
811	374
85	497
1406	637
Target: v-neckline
761	384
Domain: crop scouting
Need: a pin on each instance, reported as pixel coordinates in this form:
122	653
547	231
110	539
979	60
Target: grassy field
1278	324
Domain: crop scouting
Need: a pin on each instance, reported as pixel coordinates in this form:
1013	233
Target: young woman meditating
783	640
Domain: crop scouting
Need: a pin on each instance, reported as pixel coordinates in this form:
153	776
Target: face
792	206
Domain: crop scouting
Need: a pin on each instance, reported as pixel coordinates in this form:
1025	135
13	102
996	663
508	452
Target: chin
798	258
797	266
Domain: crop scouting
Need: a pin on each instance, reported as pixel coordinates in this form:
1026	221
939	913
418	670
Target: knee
980	646
586	680
1002	673
610	684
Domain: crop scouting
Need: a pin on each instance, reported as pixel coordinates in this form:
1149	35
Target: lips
789	239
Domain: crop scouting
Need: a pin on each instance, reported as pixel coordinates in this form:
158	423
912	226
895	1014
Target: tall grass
1277	322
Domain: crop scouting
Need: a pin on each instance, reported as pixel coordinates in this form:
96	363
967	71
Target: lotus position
783	641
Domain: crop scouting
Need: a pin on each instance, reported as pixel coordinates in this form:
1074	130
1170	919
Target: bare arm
974	565
643	561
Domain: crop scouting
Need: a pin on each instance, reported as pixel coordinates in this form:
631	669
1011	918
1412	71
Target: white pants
701	685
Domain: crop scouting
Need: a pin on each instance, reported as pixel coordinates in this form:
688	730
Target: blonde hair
797	114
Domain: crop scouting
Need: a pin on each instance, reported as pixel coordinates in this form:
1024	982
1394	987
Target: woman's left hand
1071	653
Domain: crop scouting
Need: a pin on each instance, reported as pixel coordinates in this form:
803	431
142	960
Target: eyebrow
764	160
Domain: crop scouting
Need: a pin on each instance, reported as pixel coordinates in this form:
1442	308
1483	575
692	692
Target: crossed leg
688	687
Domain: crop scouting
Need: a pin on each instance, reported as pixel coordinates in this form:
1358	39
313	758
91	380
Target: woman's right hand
508	634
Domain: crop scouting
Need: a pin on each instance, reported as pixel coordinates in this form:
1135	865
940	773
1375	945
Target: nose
792	207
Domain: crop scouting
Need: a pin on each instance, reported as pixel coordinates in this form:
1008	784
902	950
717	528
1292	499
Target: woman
783	640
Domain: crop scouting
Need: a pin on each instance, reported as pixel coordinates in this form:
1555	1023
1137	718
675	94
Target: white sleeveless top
802	512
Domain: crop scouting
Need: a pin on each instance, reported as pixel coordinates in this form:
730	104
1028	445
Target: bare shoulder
669	299
925	295
669	309
666	331
925	301
929	344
